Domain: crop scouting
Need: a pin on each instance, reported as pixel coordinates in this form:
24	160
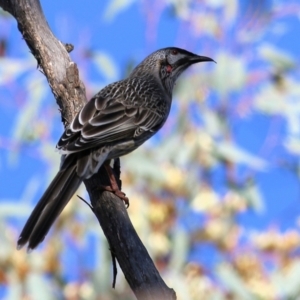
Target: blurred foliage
191	185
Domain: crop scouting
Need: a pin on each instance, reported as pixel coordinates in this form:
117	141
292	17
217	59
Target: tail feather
56	197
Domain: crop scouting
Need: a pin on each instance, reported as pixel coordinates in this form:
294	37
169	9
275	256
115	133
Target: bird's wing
107	121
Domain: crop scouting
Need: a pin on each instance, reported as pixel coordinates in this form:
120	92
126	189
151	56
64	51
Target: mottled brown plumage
116	121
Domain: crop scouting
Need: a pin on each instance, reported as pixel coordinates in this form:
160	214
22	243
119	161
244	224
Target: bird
116	121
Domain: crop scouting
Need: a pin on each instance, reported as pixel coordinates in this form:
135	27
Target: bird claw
117	192
114	185
122	196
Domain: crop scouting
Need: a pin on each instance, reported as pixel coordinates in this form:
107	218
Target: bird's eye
174	52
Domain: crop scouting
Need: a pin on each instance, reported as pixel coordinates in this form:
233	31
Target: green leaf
105	65
269	100
9	209
278	58
287	284
234	153
36	283
23	129
233	282
115	7
37	90
180	249
182	8
253	195
11	69
213	123
292	144
233	65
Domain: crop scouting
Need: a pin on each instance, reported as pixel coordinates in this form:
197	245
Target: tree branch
125	244
63	77
51	55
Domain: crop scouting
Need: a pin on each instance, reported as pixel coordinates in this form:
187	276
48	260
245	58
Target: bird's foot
117	192
114	186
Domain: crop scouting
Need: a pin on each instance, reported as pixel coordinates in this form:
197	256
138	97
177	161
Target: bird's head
167	64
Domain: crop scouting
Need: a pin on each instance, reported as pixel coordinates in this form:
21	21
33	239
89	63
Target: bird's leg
114	187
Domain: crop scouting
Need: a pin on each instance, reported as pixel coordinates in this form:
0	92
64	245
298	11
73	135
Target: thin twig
115	270
89	205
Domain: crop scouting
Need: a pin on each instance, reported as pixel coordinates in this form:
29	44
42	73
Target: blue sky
27	152
123	37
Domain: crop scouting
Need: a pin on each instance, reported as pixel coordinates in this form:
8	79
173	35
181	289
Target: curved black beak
197	58
190	59
187	59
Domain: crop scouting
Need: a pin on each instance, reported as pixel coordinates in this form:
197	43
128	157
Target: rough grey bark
63	77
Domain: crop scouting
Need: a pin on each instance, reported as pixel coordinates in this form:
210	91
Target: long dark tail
56	197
